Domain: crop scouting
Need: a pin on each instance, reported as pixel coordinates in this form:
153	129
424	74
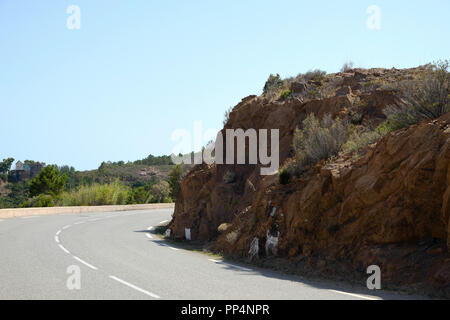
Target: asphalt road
118	258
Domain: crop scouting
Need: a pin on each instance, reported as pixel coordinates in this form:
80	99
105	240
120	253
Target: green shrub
359	139
318	140
168	200
151	160
15	194
275	86
160	192
284	176
40	201
273	83
175	175
139	195
314	75
114	193
430	98
394	122
313	93
423	99
285	94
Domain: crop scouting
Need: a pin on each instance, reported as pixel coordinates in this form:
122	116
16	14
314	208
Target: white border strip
85	263
230	265
355	295
64	249
148	234
135	288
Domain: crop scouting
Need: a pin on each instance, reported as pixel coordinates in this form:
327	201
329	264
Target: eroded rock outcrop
391	207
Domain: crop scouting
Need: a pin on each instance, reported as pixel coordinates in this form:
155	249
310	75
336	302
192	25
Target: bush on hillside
40	201
422	99
359	139
284	176
175	175
313	75
285	94
273	83
160	192
275	87
318	140
114	193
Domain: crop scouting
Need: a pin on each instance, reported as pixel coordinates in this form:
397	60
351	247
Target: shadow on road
250	269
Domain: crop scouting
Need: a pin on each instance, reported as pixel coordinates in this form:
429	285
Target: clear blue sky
138	69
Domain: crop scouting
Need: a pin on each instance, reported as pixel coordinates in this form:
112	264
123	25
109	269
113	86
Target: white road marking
30	217
164	221
85	263
148	234
166	245
355	295
68	252
64	249
230	265
135	287
95	268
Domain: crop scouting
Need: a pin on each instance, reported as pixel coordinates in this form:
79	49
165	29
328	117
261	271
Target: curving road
119	258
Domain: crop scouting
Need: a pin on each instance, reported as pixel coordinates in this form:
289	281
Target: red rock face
391	207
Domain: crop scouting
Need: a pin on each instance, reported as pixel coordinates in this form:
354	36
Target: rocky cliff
390	207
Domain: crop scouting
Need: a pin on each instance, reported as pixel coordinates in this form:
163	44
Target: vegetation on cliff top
424	98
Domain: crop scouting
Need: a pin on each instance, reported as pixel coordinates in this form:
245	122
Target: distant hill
140	173
149	170
131	173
